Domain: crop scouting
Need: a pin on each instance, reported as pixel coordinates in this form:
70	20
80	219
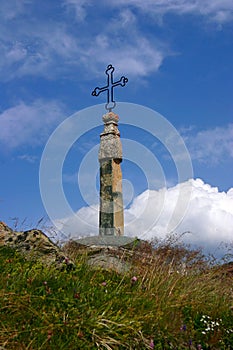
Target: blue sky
177	55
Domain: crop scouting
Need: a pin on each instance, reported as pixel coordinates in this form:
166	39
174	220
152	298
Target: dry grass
172	299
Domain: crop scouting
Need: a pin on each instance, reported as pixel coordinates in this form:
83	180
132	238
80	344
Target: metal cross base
109	88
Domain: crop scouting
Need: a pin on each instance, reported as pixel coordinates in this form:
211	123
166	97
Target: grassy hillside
176	301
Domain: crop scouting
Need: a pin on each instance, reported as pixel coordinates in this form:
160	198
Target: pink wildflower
151	345
134	279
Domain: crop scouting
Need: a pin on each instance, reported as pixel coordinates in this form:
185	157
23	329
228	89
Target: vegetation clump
172	298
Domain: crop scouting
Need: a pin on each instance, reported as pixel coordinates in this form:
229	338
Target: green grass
165	308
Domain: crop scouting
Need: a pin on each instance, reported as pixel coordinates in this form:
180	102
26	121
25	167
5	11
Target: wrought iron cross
109	87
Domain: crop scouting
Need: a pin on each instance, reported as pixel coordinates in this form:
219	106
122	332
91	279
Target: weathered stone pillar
111	214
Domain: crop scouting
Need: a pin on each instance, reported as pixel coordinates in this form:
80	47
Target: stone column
111	214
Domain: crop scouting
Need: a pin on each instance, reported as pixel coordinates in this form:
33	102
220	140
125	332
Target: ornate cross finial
109	87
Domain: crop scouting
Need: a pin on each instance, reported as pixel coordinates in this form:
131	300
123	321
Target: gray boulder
34	244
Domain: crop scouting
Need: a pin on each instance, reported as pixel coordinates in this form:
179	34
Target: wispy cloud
138	56
14	8
34	46
37	49
79	6
29	124
78	38
219	11
211	146
28	158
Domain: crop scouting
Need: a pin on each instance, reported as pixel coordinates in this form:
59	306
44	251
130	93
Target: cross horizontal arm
98	90
121	82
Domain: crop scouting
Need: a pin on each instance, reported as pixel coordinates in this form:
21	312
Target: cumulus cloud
208	219
81	224
29	124
211	146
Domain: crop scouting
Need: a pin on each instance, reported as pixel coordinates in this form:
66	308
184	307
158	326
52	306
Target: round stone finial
110	117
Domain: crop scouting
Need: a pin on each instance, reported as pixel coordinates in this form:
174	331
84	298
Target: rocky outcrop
105	257
118	254
110	253
34	244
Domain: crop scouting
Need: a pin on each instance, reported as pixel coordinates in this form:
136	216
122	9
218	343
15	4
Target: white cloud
137	56
12	9
31	44
119	42
37	49
212	145
79	6
81	224
219	11
209	217
28	158
29	124
16	53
